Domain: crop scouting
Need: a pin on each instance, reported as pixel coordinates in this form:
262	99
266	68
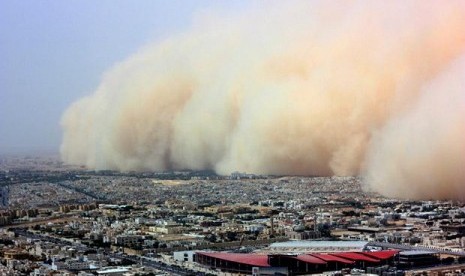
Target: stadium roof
310	259
332	258
248	259
356	257
381	255
313	258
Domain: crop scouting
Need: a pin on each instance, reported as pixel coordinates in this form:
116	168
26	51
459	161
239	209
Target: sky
54	52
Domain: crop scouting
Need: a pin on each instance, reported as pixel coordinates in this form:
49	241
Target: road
61	218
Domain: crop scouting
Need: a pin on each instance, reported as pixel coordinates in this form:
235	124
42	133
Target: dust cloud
372	88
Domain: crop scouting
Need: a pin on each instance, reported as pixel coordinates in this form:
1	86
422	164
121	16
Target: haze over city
308	88
320	88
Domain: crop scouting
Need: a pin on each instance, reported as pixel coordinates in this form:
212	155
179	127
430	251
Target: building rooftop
310	259
249	259
356	257
320	244
382	255
332	258
112	270
416	252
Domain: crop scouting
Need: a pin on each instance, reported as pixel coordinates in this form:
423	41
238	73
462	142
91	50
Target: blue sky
54	52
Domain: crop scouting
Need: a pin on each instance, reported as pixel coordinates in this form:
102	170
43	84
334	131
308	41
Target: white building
184	256
113	271
70	265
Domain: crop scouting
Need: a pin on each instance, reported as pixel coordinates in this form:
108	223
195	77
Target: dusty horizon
322	88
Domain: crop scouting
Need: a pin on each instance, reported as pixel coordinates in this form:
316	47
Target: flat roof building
318	246
295	264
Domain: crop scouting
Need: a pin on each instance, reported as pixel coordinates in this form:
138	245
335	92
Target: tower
272	226
4	196
315	220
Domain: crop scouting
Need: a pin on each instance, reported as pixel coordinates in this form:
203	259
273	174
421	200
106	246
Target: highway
61	218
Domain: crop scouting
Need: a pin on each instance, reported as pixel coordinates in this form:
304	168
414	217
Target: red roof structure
248	259
310	259
381	255
354	256
243	262
332	258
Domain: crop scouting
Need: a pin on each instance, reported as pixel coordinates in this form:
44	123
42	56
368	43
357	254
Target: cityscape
58	219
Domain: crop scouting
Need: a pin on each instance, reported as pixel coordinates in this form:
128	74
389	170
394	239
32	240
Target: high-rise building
4	196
